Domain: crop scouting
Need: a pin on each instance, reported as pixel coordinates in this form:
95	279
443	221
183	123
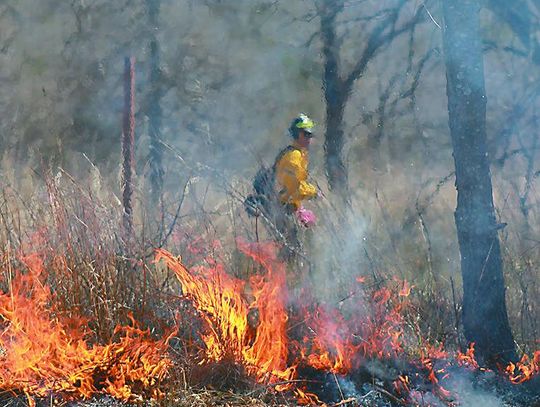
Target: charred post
128	143
155	156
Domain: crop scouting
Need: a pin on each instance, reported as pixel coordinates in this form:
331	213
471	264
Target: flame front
248	322
262	346
43	353
220	300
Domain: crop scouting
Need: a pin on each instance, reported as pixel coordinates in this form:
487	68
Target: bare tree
485	318
338	85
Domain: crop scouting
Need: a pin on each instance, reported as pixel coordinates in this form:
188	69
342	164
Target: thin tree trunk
485	318
335	96
128	143
333	147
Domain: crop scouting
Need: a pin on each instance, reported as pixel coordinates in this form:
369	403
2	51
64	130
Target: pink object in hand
305	216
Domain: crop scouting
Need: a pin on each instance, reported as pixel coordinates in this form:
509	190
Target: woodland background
226	78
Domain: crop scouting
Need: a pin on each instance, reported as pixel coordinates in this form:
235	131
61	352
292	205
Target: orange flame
382	331
406	289
518	373
332	348
468	358
432	376
220	300
525	369
305	398
263	350
331	343
42	352
402	385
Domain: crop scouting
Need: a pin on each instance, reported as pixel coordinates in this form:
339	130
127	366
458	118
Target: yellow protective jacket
291	178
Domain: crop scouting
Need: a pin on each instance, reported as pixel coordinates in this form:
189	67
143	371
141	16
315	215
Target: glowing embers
42	352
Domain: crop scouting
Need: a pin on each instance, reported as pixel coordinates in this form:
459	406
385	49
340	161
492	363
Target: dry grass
98	272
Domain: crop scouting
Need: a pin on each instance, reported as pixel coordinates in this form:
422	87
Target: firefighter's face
304	139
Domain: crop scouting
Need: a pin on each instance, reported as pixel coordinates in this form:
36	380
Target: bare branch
431	16
378	40
177	214
420	67
371	17
512	123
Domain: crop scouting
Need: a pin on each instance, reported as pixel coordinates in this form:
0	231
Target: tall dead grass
77	226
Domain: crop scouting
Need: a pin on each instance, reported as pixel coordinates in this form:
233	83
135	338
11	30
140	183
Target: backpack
263	184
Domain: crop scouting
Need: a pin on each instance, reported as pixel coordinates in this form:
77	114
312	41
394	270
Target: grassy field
95	277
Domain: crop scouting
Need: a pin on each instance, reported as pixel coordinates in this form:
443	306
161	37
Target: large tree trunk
337	87
485	318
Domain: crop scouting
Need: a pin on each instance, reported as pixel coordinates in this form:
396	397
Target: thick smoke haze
233	75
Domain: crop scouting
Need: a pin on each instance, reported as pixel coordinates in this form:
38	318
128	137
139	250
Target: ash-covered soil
472	390
105	401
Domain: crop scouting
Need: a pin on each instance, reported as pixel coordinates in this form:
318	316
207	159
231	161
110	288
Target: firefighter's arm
307	190
293	168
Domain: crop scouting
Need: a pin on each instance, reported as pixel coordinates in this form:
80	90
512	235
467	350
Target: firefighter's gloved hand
306	217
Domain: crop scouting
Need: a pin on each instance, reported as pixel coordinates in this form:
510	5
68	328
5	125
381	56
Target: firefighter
291	168
292	186
279	194
280	190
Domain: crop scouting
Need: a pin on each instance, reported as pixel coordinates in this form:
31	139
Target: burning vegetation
314	351
92	305
45	352
73	311
288	343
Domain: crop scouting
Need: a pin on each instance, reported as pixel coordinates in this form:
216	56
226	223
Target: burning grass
69	287
221	302
297	347
324	349
43	351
